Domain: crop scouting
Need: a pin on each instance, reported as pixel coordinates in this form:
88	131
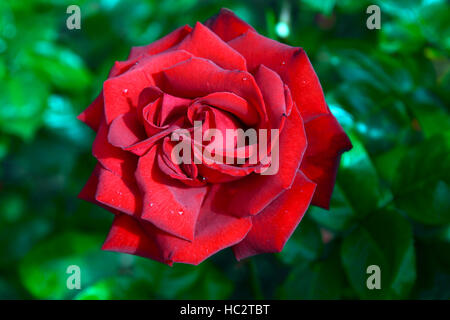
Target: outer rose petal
126	235
90	189
248	196
275	224
122	163
227	25
121	93
93	114
162	44
116	193
204	43
293	66
326	142
121	67
214	233
169	204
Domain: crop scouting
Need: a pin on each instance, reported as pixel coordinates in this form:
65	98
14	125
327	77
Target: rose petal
157	110
90	189
120	67
117	193
172	108
326	142
162	44
93	114
188	175
169	204
121	93
293	66
273	226
227	25
289	101
220	172
120	162
214	232
204	43
126	130
126	235
273	92
140	148
232	103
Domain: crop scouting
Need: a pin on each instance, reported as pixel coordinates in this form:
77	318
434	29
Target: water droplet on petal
180	212
283	62
245	79
125	91
151	204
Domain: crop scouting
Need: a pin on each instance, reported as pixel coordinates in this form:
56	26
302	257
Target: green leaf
61	118
359	181
17	239
387	163
43	270
12	208
353	6
61	66
117	288
434	22
305	243
7	290
368	89
400	36
432	115
213	284
4	146
323	6
184	281
340	217
316	280
23	101
384	240
433	264
421	187
407	10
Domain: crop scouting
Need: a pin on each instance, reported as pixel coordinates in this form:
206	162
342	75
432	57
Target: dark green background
389	89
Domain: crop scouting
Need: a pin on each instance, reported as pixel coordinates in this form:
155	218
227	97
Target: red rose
227	76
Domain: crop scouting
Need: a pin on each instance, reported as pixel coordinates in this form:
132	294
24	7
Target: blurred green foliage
389	88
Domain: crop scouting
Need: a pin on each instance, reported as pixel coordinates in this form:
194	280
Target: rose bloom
227	76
